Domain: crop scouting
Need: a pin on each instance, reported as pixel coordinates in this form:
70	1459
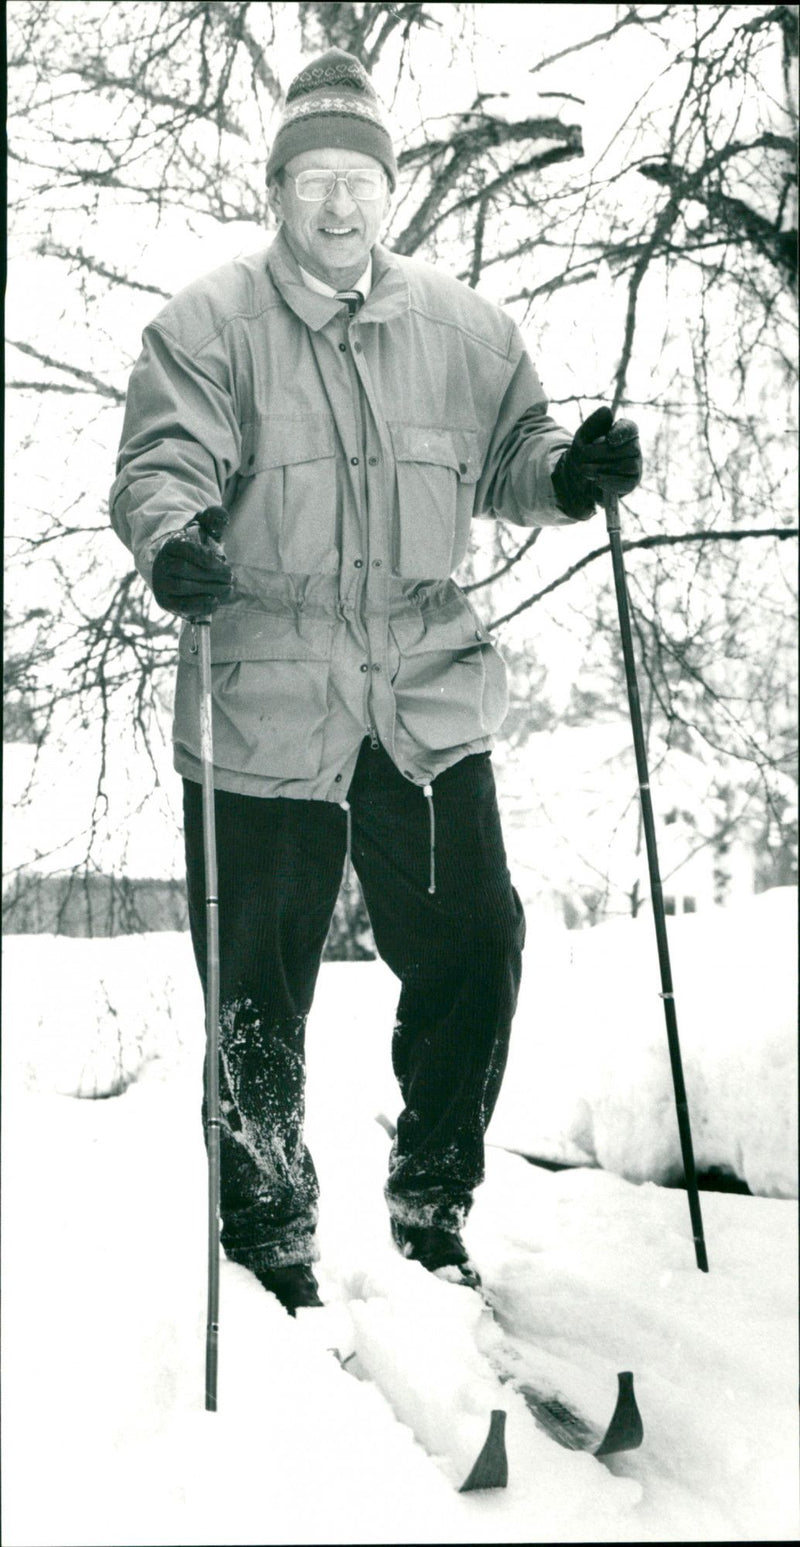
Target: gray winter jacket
352	456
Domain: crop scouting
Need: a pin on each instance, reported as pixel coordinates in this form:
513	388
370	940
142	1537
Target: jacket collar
362	286
389	296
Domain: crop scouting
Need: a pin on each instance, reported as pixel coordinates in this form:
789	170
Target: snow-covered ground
105	1437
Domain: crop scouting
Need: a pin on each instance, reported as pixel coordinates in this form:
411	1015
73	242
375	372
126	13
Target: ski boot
295	1285
438	1250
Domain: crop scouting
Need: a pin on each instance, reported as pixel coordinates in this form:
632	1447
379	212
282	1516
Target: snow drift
588	1079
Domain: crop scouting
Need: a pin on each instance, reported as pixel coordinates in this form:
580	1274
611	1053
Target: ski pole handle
212	522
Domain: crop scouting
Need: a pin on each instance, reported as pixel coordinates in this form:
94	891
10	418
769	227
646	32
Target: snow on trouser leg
269	1188
280	864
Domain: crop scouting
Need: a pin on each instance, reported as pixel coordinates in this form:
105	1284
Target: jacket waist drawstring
345	805
428	793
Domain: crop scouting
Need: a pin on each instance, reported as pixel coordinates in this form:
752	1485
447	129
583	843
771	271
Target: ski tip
491	1468
386	1124
626	1430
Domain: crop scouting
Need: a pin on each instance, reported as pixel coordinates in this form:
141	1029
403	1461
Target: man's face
331	237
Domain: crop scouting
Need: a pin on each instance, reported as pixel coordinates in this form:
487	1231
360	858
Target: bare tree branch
632	19
469	147
103	387
76	257
238	30
659	540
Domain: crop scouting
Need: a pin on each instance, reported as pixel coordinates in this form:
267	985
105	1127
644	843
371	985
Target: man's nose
341	200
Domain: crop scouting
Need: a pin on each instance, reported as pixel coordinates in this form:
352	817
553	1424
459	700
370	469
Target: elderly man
351	411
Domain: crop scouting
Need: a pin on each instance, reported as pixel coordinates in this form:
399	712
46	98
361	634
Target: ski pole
212	523
667	993
212	1012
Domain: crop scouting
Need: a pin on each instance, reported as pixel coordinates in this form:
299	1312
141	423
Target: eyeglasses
318	183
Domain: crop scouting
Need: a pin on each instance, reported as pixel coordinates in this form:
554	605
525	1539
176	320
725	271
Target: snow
572	815
104	1260
54	814
589	1077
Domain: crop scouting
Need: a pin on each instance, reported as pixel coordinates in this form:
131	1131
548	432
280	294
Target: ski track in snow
105	1438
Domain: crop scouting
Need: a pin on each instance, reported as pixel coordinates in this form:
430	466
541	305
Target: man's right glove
191	575
604	458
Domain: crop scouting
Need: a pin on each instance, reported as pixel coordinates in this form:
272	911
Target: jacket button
376	563
364	667
373	461
358	563
338	779
376	668
462	467
357	349
343	348
354	461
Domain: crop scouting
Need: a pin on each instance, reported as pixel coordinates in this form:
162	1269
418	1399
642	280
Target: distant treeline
95	906
87	906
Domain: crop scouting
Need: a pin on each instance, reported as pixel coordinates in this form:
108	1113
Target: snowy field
105	1437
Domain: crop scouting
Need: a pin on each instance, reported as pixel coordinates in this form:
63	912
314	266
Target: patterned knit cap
331	105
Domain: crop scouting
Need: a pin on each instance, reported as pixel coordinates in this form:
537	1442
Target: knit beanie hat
332	104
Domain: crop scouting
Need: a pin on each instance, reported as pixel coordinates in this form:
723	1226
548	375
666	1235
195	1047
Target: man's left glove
191	575
604	458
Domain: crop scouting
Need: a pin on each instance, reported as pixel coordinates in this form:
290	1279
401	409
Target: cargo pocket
436	474
450	681
286	500
270	692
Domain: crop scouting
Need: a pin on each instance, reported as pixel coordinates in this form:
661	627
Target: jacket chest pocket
436	474
286	503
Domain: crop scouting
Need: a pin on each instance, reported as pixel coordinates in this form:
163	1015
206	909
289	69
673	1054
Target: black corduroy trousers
457	953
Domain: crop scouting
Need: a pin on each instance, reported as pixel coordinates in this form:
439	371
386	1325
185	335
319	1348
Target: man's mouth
338	230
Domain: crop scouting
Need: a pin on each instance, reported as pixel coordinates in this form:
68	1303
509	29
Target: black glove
604	458
191	575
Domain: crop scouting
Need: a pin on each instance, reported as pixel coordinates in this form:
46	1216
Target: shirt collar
389	296
364	283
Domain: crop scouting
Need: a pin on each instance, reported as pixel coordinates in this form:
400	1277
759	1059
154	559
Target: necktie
352	298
